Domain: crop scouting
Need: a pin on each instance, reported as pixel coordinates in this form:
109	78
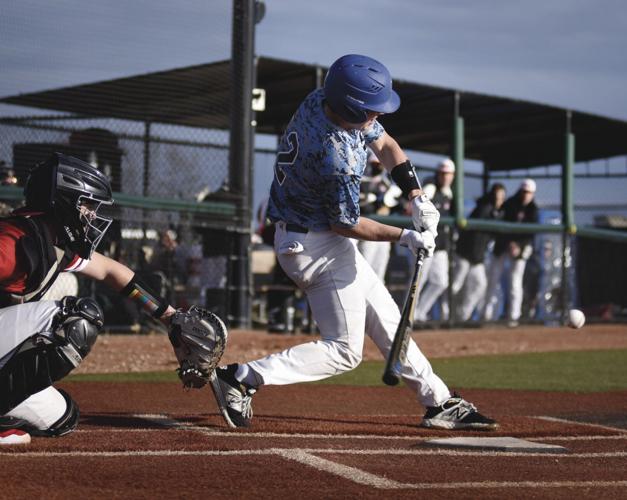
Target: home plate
495	444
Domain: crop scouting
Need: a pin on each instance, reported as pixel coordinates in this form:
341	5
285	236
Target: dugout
506	135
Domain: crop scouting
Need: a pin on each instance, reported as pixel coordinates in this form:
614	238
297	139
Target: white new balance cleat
457	413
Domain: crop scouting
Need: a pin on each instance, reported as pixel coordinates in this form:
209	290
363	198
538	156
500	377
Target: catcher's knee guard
41	360
77	326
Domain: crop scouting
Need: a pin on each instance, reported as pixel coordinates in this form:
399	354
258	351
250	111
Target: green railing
511	227
221	209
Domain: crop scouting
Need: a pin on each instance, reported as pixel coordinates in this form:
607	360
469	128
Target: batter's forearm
388	151
369	230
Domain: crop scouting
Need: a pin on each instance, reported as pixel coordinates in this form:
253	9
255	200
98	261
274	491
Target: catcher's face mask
93	225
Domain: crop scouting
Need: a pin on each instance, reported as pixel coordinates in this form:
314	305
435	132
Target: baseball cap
528	185
446	166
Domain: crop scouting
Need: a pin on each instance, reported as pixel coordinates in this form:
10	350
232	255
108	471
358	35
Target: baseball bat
398	352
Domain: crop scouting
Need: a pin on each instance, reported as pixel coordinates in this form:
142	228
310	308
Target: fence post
568	221
241	146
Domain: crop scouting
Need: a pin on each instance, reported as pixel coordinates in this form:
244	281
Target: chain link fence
159	129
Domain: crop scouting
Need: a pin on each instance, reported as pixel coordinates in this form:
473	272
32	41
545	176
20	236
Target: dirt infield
150	440
136	353
155	440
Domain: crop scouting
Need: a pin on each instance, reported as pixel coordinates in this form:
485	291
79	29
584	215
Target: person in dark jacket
470	280
513	249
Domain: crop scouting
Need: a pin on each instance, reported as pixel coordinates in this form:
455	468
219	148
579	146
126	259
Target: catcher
42	341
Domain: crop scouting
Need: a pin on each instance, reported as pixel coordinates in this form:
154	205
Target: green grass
576	371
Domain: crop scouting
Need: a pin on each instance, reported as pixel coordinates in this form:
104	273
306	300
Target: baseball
576	319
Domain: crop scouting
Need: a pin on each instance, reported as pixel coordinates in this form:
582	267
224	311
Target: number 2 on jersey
286	158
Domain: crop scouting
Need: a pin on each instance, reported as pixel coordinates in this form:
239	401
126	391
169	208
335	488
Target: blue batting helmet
357	84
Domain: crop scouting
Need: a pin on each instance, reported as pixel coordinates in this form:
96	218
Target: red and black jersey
29	259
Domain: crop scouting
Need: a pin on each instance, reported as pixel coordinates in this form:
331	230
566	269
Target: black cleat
457	413
233	397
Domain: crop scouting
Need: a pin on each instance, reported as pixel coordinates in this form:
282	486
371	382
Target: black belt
295	228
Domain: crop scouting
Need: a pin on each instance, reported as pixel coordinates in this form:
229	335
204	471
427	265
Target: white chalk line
308	457
585	424
271	451
344	471
265	435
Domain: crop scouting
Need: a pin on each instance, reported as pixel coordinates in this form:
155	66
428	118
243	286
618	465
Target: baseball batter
314	201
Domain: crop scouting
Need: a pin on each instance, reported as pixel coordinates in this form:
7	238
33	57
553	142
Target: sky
568	53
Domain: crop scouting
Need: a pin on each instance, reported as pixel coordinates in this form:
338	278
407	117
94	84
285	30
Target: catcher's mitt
199	338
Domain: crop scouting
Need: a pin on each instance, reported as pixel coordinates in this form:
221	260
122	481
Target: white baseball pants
433	283
377	254
469	287
347	299
17	323
516	271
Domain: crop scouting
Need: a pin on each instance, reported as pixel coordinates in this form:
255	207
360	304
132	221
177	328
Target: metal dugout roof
503	133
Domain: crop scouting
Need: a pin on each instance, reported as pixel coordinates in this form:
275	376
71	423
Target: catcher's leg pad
199	338
41	359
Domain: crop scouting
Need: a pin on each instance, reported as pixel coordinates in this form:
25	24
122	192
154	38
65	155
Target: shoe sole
14	437
220	398
448	425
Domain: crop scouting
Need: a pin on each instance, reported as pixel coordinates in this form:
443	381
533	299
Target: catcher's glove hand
199	338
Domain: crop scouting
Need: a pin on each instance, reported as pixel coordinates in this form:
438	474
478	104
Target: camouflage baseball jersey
318	169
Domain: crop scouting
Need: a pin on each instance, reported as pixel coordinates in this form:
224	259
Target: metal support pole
240	158
145	191
319	77
458	158
568	219
458	197
485	179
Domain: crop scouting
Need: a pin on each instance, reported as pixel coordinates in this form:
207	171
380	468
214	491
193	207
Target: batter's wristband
139	291
405	177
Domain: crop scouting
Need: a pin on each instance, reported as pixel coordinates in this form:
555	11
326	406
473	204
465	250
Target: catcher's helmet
357	84
73	191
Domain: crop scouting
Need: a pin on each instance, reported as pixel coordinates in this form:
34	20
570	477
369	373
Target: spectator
374	184
512	250
162	271
435	271
7	175
7	178
470	281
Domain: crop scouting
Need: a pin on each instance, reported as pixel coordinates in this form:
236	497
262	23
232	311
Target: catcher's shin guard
41	360
65	424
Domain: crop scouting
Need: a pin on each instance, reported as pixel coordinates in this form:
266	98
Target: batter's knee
348	357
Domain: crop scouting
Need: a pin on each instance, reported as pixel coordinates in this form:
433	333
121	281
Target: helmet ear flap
41	186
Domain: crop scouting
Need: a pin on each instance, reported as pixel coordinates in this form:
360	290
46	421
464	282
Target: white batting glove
415	241
424	215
